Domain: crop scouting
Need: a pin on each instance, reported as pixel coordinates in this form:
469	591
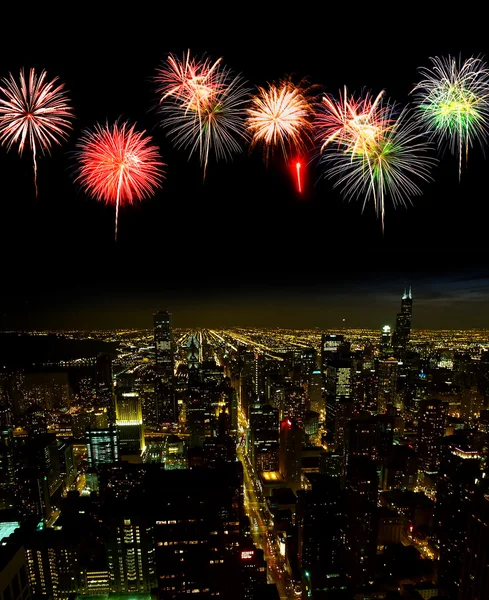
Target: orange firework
280	116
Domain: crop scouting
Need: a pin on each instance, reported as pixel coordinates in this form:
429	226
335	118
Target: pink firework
191	82
201	105
35	112
354	124
118	165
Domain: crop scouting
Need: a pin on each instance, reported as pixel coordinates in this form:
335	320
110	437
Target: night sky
240	247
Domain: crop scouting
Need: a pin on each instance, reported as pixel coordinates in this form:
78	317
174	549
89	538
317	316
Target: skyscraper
102	447
431	428
164	368
402	331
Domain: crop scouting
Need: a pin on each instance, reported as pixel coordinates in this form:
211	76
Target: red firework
33	111
118	165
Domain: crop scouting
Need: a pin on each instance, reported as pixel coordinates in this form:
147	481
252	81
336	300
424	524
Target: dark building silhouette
319	522
360	523
458	476
164	368
431	428
291	441
402	332
474	580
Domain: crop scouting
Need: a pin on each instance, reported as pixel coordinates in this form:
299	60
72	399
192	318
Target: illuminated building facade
7	471
130	552
129	421
338	385
102	447
386	342
264	433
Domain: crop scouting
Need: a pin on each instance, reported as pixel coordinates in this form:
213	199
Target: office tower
129	422
253	572
458	476
102	447
317	402
219	449
319	523
14	581
330	342
130	550
337	387
402	332
431	428
360	527
388	370
290	453
67	463
196	412
7	468
293	404
44	462
164	368
474	580
247	393
104	386
193	360
385	345
263	432
199	506
259	376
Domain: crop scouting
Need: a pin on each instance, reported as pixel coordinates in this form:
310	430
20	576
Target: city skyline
240	246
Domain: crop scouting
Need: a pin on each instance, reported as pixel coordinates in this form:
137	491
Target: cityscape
245	463
244	337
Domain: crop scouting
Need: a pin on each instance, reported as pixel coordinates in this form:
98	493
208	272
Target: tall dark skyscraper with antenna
402	332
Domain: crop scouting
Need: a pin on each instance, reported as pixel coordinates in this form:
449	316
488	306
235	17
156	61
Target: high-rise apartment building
164	368
431	428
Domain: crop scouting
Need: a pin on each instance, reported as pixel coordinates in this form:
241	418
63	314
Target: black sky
240	247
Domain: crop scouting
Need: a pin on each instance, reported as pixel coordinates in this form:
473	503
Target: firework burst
201	105
452	103
383	157
280	117
354	124
34	111
118	165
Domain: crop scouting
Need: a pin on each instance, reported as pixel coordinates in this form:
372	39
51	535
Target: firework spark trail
118	165
35	112
452	103
379	164
201	104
